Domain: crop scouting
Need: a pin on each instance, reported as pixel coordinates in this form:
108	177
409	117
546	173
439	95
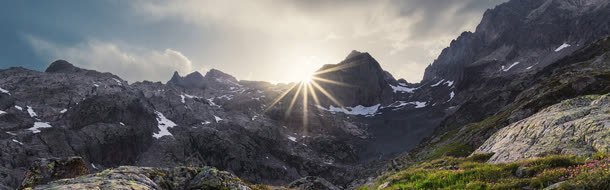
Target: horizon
268	41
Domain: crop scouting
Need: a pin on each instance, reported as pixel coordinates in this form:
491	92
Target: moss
452	149
474	173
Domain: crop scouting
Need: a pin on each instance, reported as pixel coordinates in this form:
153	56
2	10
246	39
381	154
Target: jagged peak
194	75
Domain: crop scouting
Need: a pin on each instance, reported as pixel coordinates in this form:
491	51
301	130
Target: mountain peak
61	66
353	54
217	74
368	82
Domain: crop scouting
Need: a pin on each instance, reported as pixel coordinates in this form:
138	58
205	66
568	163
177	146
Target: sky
265	40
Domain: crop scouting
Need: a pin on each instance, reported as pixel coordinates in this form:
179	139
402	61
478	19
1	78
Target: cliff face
360	80
521	36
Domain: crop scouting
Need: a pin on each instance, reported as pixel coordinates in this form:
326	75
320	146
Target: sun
307	79
309	89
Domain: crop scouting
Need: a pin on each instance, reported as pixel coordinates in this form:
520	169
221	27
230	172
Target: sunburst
310	88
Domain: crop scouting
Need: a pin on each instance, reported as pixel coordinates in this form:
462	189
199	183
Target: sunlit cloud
280	33
132	64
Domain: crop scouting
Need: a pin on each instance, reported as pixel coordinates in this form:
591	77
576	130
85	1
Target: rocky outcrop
129	177
312	183
45	170
575	126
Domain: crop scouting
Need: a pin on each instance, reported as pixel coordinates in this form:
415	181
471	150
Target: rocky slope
575	126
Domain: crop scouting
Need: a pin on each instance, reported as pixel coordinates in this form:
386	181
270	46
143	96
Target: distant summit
62	66
213	79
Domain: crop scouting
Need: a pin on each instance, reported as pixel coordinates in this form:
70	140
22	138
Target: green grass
474	173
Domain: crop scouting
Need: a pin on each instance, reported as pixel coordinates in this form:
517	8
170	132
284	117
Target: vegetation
559	171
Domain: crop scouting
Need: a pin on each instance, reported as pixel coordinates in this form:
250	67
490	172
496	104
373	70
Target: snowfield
164	125
356	110
402	88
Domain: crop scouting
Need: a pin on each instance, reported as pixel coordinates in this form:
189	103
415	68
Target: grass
474	173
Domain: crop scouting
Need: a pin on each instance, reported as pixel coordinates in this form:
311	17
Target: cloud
399	33
130	63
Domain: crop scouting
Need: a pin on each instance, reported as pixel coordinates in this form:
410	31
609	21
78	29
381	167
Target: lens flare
307	88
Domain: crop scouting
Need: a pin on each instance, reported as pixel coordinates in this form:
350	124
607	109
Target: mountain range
531	82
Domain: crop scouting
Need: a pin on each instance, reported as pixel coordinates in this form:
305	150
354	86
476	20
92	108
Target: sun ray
313	94
279	98
305	105
294	99
325	93
314	78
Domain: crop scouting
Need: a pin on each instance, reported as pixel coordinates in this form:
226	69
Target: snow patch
218	119
438	83
121	123
563	46
118	81
400	104
63	111
19	108
5	91
509	67
211	101
357	110
2	112
31	112
451	95
191	96
449	83
205	122
11	133
402	88
182	99
96	85
93	166
183	96
39	125
226	96
293	139
17	142
164	125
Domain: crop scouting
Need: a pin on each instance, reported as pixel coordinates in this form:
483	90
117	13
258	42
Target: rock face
129	177
521	36
576	126
357	80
